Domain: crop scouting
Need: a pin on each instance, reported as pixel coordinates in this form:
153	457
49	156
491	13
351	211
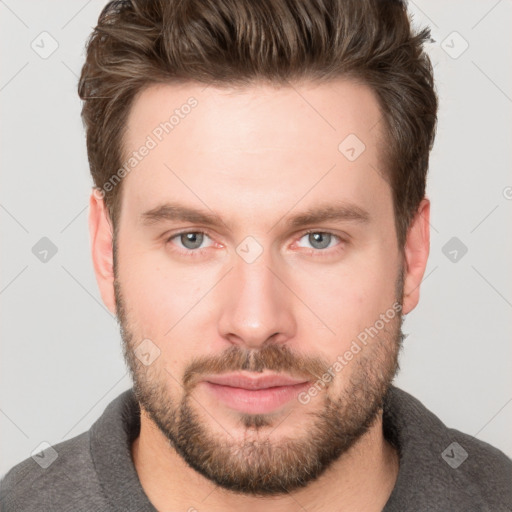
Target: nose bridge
256	305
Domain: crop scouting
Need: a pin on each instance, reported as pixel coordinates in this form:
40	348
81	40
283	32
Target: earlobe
416	251
101	235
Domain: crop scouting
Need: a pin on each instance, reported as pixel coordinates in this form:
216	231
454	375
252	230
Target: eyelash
317	252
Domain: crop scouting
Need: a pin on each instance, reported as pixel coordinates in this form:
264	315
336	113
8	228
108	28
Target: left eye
319	239
190	240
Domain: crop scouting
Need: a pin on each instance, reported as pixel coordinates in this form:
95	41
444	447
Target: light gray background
61	359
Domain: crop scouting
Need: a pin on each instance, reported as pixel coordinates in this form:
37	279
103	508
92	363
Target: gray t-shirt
441	469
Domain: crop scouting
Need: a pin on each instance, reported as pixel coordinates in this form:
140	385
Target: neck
362	479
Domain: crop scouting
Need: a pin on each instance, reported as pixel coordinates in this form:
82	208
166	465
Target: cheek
160	307
349	299
346	297
165	300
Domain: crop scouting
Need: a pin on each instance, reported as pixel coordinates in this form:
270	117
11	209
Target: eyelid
324	231
169	236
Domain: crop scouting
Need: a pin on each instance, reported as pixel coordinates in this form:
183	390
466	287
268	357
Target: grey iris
321	239
195	239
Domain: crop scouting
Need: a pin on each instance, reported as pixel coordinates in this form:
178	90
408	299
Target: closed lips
253	383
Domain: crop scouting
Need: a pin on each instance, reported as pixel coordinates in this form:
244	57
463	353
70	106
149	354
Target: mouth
254	394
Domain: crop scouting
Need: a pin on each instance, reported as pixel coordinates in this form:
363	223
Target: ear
417	246
101	234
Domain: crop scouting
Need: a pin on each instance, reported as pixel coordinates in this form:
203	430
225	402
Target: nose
256	304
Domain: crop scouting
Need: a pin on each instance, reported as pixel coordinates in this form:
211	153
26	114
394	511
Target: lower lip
256	401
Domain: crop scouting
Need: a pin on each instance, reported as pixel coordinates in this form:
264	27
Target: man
259	225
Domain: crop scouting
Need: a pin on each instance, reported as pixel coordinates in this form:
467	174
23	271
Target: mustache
275	358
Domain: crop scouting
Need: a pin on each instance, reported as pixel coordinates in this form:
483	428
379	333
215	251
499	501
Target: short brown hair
238	42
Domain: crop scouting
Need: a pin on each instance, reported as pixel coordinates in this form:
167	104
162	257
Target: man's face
254	293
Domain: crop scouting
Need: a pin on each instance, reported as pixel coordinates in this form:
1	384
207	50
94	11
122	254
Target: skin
256	157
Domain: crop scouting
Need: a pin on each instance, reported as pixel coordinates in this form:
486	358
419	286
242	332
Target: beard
256	464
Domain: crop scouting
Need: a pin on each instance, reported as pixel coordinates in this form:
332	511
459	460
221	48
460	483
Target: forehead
257	145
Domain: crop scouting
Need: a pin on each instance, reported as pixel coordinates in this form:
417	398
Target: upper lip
245	381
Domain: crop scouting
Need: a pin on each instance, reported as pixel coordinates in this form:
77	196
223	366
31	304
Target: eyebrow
325	212
329	212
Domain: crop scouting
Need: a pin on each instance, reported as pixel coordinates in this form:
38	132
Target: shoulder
478	469
61	477
441	467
